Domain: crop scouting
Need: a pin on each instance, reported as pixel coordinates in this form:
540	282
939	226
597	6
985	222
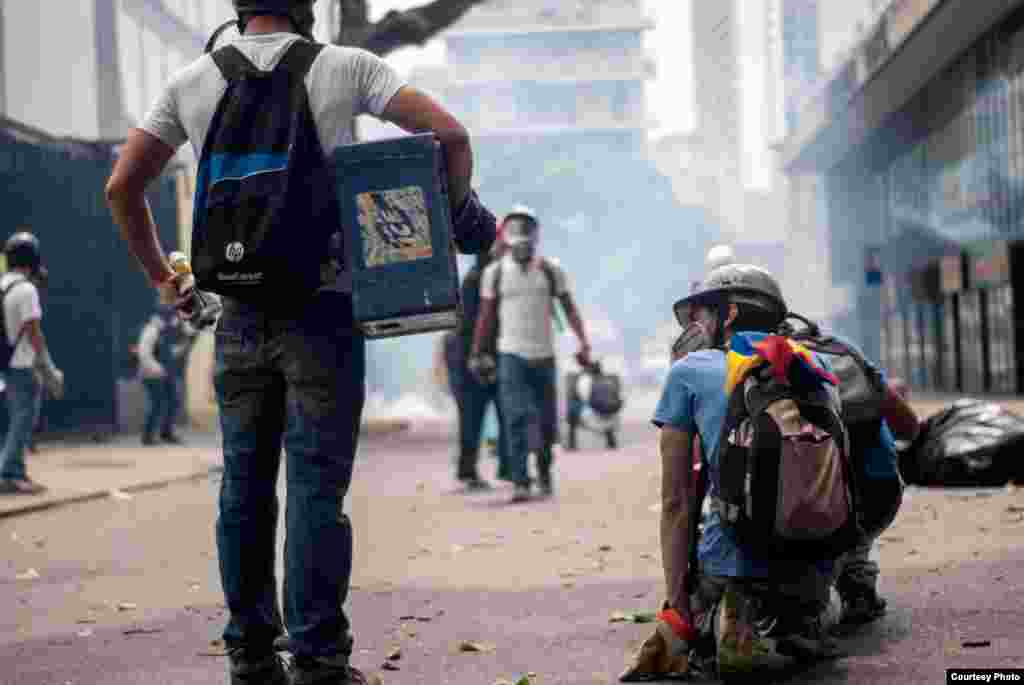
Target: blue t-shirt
694	400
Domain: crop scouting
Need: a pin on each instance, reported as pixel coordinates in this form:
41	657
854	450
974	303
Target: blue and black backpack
266	220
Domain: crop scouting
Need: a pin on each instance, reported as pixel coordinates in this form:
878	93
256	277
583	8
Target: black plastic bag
970	443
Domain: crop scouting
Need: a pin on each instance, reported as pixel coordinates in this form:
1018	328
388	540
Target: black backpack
265	207
785	483
605	393
6	348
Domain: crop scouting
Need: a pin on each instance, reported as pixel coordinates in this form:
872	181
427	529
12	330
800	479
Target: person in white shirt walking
163	349
23	314
519	291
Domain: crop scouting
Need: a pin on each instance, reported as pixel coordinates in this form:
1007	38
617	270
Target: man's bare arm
484	324
142	160
417	112
572	313
676	476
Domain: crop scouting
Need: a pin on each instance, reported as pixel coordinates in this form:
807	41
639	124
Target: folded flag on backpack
790	362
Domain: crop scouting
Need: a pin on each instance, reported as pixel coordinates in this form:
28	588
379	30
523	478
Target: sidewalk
81	471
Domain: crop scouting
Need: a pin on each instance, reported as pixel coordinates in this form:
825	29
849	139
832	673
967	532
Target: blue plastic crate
398	235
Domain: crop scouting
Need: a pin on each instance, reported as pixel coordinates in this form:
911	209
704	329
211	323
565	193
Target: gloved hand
484	368
666	653
473	226
51	376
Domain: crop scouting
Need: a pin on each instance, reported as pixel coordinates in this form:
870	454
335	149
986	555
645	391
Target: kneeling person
757	610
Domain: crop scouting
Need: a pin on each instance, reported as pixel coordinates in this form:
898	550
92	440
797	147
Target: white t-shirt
342	83
525	309
21	305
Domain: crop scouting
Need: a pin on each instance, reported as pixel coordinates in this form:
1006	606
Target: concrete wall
50	66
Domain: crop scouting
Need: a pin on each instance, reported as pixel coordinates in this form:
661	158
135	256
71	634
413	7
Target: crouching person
876	414
728	600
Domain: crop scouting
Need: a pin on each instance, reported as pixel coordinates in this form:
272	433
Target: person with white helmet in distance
519	292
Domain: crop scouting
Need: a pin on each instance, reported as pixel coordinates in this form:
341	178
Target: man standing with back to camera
291	373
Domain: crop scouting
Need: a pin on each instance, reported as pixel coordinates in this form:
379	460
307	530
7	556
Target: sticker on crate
395	226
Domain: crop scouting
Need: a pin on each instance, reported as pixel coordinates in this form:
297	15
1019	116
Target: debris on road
127	606
632	617
114	493
30	574
476	647
142	631
216	648
976	643
395	654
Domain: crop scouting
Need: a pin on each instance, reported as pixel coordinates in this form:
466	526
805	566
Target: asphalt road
126	591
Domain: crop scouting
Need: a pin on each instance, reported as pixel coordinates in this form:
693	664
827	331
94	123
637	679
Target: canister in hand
206	308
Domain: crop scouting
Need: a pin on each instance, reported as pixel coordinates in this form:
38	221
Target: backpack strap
300	57
549	272
233	64
3	297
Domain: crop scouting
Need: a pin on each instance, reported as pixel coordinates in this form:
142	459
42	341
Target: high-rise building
539	68
801	59
719	105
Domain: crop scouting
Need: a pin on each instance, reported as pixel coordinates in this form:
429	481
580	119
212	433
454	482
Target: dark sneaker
809	641
862	607
547	489
171	439
477	485
521	493
246	668
148	440
326	671
21	486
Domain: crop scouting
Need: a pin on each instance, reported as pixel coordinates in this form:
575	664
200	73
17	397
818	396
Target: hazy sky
670	93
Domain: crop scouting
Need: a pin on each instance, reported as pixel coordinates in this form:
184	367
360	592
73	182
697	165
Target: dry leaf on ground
30	574
395	654
479	647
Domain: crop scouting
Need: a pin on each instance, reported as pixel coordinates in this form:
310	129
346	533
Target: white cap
719	255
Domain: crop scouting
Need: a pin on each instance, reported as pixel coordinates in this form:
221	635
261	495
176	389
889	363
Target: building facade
917	142
553	94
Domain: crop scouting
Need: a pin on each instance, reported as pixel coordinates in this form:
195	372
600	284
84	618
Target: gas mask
694	338
521	236
523	252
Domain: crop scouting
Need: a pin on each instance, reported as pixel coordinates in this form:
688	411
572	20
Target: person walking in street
163	350
472	397
518	291
28	356
290	366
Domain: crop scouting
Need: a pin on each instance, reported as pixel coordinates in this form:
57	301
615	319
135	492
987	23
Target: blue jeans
294	379
472	400
163	405
23	407
529	408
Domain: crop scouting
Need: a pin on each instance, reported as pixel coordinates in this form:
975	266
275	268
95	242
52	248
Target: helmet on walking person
22	250
520	231
299	11
749	286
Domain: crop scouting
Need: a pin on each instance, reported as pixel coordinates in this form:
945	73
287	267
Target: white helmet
719	255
